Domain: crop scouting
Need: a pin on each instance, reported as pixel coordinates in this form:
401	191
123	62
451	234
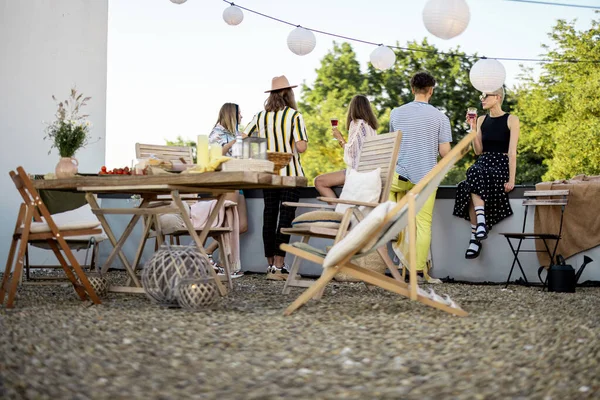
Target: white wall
46	47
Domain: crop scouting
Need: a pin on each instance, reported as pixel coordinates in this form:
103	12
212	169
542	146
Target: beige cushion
360	186
366	228
80	218
324	219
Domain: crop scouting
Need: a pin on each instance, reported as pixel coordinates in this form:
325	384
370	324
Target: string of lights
549	3
412	49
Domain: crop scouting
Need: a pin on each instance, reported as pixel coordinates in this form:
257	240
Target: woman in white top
361	124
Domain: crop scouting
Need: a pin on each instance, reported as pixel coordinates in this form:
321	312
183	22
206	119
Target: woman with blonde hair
482	198
226	128
362	124
223	134
283	126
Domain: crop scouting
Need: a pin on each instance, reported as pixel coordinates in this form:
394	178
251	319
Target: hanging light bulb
301	41
446	18
233	15
383	58
487	75
178	1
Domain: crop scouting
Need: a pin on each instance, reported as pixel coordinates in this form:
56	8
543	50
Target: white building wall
46	47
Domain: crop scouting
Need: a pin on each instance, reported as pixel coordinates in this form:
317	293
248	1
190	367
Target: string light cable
548	3
412	49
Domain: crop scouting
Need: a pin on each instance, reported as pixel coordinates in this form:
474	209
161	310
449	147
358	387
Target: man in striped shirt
425	134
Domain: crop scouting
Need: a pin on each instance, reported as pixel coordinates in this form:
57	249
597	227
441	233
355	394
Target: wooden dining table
150	188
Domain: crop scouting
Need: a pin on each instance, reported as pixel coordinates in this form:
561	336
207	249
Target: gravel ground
355	343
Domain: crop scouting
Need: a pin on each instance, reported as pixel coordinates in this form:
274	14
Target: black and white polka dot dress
486	178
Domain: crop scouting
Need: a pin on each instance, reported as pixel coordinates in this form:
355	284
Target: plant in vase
69	132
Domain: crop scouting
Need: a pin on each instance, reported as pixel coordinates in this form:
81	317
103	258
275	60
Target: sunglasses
486	95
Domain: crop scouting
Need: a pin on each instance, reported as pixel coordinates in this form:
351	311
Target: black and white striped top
423	128
282	129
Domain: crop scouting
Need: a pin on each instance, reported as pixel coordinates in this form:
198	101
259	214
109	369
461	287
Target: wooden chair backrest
31	197
397	218
381	151
562	201
561	198
164	152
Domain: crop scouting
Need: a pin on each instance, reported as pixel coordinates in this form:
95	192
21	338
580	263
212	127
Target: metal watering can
562	277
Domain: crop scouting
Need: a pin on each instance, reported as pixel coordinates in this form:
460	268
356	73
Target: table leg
204	233
116	244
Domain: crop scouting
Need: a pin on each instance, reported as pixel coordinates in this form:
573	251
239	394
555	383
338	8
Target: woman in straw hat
283	127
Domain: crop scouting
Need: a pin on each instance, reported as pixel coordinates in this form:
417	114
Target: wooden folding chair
179	153
70	207
380	151
384	223
34	223
560	198
216	233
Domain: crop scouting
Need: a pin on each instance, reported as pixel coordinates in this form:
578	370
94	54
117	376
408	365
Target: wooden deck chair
380	151
381	226
34	222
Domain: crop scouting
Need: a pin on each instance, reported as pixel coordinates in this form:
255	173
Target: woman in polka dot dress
483	197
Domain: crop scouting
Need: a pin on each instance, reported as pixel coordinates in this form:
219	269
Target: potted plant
69	133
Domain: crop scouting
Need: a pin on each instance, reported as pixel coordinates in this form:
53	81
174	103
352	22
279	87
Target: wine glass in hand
472	117
334	129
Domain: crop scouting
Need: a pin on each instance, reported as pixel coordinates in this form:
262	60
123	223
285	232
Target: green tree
453	93
560	110
339	78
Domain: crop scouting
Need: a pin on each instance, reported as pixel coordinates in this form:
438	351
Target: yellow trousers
424	218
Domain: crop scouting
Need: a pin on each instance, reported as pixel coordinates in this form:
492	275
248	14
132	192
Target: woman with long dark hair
283	127
361	123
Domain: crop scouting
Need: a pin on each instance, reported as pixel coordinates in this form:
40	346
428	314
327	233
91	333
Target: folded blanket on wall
581	225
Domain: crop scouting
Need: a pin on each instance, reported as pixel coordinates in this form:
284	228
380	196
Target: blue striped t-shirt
423	128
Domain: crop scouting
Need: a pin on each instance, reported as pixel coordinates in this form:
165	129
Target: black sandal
470	253
479	235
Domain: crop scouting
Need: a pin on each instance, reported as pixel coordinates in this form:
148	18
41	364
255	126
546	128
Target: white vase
66	167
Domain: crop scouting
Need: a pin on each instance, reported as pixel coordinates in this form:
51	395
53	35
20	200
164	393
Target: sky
171	67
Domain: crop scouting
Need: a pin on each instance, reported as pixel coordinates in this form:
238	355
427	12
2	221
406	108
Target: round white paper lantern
383	58
487	75
178	1
233	15
446	18
301	41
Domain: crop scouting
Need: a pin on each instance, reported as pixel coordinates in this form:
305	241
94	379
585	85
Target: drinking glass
334	124
472	113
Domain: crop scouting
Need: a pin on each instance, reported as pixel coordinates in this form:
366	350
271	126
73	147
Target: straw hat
279	83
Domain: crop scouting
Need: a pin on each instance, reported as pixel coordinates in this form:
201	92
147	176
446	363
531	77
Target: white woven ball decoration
301	41
487	75
194	293
178	1
383	58
233	15
99	284
163	271
446	18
